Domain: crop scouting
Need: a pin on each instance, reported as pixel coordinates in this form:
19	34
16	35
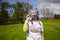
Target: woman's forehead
33	13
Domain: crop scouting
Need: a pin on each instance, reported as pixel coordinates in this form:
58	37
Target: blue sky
34	3
39	4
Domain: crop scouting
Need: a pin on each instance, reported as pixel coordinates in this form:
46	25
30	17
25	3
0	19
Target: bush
57	16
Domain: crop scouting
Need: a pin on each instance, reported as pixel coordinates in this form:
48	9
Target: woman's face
33	17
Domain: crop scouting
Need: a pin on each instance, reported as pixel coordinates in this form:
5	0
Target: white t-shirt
35	25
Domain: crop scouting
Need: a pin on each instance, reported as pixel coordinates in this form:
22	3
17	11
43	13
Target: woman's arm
25	27
42	30
42	35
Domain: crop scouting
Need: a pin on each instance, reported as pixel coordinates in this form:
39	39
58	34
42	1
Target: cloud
52	6
49	1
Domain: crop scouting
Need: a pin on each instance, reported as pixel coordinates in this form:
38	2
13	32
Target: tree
57	16
4	13
4	5
48	13
21	9
4	17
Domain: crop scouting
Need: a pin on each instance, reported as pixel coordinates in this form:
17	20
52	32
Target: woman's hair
35	18
33	13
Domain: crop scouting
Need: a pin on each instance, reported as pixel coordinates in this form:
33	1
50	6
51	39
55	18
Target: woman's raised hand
28	17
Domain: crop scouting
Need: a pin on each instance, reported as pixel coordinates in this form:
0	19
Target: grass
51	29
12	32
15	32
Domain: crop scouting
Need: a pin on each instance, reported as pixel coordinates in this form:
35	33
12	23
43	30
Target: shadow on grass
9	23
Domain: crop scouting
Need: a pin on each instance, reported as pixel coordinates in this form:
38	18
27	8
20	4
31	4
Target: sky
51	1
51	4
34	3
37	3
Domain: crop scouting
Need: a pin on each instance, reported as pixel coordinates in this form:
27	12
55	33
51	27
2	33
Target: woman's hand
28	17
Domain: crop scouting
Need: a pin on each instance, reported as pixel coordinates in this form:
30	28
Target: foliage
4	17
20	11
4	5
57	16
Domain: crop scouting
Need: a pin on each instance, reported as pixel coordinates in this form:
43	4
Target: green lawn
15	32
51	29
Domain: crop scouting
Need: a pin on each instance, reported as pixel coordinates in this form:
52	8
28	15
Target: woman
33	27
